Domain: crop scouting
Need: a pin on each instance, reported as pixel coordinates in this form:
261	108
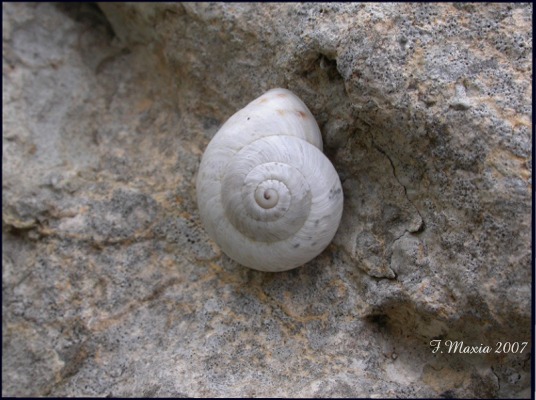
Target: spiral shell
266	193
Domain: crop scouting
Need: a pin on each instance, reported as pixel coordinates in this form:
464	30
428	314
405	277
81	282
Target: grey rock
110	284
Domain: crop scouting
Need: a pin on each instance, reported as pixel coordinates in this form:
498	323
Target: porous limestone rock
110	284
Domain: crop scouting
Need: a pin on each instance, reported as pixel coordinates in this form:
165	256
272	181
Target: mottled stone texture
111	286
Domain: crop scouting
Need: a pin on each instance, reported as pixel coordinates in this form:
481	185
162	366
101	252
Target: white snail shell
266	193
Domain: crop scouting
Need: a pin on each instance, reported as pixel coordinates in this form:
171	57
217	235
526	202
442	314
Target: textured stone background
110	285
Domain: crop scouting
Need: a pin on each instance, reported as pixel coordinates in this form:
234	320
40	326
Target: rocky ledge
110	285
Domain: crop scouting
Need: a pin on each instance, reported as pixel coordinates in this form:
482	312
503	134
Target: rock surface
110	285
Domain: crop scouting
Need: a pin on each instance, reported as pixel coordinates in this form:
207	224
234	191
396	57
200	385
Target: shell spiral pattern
266	193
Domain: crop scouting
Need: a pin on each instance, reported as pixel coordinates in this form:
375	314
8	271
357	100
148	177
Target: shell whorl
266	193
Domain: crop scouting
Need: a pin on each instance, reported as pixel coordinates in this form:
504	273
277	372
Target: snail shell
266	193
